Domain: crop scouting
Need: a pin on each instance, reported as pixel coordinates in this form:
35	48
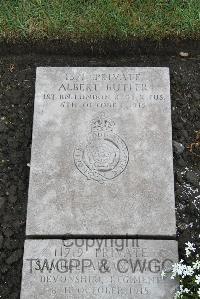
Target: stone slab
88	269
101	152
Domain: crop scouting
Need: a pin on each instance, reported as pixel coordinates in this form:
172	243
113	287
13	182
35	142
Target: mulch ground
17	79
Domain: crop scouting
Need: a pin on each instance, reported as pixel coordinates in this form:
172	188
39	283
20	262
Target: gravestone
102	178
101	153
99	268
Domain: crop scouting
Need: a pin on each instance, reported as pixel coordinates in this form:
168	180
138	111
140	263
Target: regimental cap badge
105	155
101	125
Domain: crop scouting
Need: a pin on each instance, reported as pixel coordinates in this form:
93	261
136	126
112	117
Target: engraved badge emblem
105	156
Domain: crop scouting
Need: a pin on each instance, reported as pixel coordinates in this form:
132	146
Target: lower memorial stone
98	268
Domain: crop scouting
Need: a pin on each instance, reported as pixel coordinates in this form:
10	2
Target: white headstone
101	152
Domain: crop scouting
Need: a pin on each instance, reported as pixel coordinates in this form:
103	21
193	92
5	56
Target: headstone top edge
103	67
107	238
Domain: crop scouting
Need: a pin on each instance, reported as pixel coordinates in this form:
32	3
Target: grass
99	19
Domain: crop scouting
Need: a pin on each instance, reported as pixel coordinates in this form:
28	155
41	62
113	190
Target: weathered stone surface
88	269
101	152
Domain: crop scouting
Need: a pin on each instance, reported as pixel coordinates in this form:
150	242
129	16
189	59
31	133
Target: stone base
98	268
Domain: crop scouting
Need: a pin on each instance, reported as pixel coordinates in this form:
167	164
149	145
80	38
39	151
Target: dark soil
17	79
104	47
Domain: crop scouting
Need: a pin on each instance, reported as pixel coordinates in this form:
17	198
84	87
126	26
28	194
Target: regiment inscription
98	268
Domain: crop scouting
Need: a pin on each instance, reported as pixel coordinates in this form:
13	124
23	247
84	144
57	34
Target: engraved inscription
98	268
105	156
